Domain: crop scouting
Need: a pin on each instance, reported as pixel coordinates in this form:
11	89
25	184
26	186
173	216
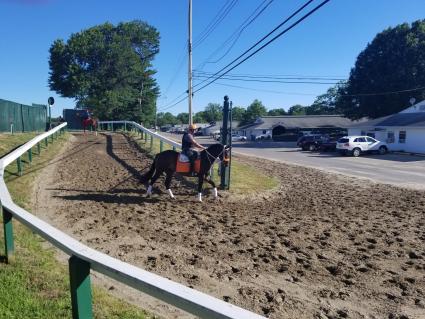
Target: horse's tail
149	174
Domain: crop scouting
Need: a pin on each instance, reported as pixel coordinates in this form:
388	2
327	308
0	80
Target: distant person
61	120
189	145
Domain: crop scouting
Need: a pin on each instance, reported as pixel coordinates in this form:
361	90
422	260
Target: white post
190	63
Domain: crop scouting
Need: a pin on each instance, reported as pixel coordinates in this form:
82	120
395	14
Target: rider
188	146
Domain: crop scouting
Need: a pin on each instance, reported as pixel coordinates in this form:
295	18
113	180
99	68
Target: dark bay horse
165	162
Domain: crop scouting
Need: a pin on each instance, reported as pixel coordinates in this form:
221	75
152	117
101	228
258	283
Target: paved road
401	170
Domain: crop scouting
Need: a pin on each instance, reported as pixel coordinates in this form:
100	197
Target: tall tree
108	69
238	113
213	112
276	112
183	118
327	103
393	62
166	119
256	109
297	109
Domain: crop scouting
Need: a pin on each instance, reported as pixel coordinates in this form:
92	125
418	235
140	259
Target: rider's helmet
192	127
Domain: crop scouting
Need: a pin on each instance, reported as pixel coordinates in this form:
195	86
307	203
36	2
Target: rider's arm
195	143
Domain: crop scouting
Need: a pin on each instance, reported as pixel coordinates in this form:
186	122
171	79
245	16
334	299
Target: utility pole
189	91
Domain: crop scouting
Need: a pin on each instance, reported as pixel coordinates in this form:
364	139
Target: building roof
416	119
299	121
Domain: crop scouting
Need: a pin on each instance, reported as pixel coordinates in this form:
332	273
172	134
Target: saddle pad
185	167
183	158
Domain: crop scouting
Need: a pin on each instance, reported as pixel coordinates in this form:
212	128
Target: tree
183	118
166	119
199	117
105	67
256	109
326	103
393	62
213	112
297	109
238	113
276	112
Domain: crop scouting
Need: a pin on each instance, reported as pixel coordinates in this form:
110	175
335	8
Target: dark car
310	142
328	145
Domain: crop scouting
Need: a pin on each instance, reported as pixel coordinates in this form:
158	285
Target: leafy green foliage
107	68
256	109
393	61
276	112
238	113
297	109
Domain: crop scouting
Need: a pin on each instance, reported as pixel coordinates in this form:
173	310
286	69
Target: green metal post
46	141
161	146
151	142
30	155
174	148
125	126
81	297
19	163
38	149
9	247
146	138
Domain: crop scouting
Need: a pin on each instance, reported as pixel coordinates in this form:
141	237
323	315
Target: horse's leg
153	180
168	178
200	182
211	182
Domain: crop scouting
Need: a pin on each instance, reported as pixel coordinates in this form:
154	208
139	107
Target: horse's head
219	151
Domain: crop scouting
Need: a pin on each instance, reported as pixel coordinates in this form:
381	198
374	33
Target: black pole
225	141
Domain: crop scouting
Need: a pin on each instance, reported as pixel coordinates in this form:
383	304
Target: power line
261	90
275	77
386	93
269	81
238	33
211	29
261	40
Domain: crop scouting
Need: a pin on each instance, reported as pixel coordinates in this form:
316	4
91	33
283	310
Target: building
403	131
213	129
290	127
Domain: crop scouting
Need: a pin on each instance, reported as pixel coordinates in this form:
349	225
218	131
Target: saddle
183	164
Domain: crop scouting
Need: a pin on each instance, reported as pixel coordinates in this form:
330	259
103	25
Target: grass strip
35	284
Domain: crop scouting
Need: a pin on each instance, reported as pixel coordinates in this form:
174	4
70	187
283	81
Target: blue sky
325	44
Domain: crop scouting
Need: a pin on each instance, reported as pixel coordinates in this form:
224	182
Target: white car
236	138
360	144
263	137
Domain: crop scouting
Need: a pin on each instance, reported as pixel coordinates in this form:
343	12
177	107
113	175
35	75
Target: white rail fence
83	258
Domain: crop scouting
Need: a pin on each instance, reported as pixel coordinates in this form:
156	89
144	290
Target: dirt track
322	246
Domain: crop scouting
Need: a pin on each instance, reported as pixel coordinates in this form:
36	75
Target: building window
402	137
264	131
390	137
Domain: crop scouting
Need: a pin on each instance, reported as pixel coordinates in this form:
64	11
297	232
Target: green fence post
46	142
19	163
38	149
146	138
161	146
151	142
30	155
125	126
81	297
9	247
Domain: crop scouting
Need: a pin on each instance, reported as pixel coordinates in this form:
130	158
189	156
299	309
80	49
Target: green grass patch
243	178
35	284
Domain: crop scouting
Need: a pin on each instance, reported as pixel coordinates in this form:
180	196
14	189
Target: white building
404	131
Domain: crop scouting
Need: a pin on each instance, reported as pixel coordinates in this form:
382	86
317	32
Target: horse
90	121
166	161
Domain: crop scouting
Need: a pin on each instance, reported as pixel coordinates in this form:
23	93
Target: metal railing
83	259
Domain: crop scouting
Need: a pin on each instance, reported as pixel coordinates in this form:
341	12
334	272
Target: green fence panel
24	118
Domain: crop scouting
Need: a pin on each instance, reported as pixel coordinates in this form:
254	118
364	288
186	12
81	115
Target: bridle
217	157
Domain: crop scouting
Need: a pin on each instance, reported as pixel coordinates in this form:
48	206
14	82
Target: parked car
357	145
310	142
236	138
328	145
263	137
